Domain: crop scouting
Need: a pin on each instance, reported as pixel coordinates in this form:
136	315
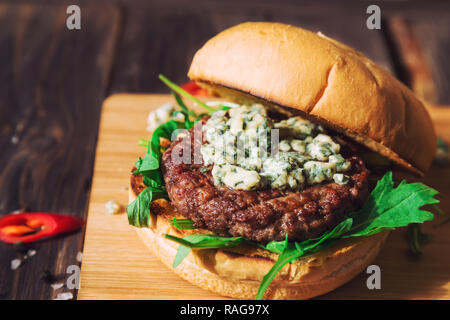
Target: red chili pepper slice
195	89
33	226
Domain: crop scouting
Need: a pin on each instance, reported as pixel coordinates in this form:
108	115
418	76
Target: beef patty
263	215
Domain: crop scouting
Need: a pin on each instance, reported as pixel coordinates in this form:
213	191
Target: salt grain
14	139
15	264
31	252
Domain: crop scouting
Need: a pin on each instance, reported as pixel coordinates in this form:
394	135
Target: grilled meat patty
262	215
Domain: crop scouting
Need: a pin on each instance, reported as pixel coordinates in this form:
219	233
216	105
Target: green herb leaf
275	246
148	163
185	111
293	251
183	224
312	244
163	131
139	210
289	254
184	93
201	241
388	207
416	239
206	241
153	179
182	253
143	142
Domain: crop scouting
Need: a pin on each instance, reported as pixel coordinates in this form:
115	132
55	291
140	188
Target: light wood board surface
116	265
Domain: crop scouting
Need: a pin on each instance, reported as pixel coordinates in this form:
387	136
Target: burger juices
296	209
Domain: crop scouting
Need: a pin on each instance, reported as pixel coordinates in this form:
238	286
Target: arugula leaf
416	239
200	241
309	245
293	251
153	179
151	161
185	111
206	241
139	210
149	167
184	93
288	255
143	142
314	245
389	207
182	253
148	163
163	131
183	224
274	246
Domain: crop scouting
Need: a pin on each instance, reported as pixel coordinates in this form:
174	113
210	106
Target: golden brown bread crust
237	272
323	79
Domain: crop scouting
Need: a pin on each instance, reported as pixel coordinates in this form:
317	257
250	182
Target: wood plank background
54	81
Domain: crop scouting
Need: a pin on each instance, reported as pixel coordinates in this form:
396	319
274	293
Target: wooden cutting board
116	265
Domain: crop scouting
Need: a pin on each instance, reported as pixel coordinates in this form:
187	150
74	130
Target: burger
285	189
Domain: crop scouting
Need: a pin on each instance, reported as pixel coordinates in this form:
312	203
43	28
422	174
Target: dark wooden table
53	81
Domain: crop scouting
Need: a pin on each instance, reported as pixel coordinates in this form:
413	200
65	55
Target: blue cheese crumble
241	146
161	115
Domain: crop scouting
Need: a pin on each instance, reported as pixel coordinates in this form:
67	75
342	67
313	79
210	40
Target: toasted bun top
323	80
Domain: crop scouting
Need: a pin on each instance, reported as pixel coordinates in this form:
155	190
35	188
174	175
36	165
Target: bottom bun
237	272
